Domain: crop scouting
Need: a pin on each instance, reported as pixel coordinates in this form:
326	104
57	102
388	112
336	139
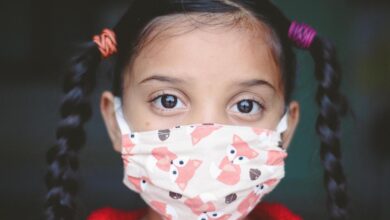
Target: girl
200	109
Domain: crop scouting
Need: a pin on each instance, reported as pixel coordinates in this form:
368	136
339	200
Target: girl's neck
152	215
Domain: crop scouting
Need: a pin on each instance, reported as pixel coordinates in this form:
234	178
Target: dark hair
61	178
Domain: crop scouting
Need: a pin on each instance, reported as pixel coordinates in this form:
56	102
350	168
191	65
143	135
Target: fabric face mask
202	171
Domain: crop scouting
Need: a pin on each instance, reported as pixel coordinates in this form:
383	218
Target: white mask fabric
202	171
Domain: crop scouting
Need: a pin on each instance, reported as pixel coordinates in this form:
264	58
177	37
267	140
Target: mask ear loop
123	126
282	127
283	123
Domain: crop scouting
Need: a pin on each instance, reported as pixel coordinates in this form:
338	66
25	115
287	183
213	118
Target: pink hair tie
106	42
301	34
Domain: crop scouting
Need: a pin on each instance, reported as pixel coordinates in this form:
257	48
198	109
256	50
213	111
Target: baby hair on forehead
148	20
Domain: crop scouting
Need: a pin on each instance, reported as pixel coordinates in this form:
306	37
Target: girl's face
226	76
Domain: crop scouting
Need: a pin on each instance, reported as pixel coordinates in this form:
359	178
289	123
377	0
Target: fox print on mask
229	170
202	171
181	170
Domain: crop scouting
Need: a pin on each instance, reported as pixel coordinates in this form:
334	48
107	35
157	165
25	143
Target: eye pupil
181	162
245	106
232	151
169	101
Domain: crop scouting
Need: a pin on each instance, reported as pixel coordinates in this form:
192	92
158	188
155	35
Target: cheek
271	117
136	111
142	118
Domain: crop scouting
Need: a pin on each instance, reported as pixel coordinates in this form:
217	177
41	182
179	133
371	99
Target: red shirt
263	211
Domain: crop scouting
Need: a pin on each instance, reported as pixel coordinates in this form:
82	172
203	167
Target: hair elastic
106	42
301	34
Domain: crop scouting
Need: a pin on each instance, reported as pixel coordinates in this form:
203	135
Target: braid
332	106
75	110
62	158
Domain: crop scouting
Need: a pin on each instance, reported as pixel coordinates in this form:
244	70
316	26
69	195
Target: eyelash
152	100
253	101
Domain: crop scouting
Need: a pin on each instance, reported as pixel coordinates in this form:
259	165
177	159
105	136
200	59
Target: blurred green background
37	35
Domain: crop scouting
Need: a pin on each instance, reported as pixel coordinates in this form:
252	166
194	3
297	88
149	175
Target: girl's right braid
61	178
75	110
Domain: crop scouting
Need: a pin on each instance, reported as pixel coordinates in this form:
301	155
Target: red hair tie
106	42
301	34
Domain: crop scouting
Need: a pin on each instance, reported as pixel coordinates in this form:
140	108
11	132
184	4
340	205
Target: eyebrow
174	80
256	82
161	78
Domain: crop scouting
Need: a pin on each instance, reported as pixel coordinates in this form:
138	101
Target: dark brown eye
168	101
245	106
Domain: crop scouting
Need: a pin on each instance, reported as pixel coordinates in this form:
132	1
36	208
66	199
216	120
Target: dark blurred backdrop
36	37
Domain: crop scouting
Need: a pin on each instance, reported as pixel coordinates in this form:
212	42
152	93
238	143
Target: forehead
209	53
